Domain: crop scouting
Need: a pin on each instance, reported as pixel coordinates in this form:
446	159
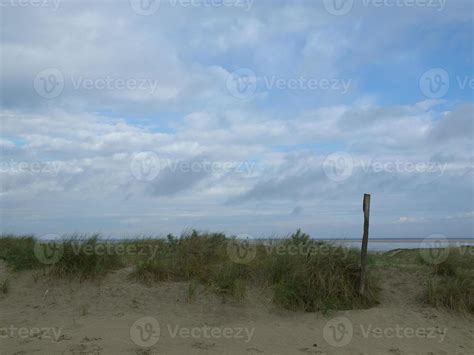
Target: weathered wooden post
365	242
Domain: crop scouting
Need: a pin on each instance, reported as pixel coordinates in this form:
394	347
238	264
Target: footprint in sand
64	337
203	346
143	352
310	351
89	340
83	349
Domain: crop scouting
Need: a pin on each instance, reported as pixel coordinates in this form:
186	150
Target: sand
107	317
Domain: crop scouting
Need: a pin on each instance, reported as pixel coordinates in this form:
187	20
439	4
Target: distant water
383	244
375	244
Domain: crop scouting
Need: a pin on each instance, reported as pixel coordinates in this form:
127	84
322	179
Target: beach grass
301	273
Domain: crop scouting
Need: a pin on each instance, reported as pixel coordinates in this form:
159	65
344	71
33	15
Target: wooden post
365	242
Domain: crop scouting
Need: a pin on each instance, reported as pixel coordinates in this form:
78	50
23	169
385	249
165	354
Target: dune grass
451	284
195	257
303	274
78	257
83	258
455	292
320	282
316	276
18	252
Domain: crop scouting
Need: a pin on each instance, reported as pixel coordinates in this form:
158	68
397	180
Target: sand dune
113	317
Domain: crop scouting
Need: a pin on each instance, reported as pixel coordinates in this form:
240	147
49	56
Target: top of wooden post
366	204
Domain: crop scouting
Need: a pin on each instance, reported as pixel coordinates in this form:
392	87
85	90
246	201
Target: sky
146	117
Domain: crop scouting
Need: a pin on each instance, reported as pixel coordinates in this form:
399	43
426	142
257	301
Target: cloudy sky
249	117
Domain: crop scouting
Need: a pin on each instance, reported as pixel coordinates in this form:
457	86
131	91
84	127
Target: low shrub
80	259
18	252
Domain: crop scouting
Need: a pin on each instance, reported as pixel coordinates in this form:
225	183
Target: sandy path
96	318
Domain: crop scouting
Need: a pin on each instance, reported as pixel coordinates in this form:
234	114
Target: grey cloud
458	124
296	211
92	134
178	176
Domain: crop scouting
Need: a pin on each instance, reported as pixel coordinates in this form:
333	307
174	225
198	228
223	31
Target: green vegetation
301	273
451	284
320	282
82	258
18	252
449	274
304	274
77	257
194	257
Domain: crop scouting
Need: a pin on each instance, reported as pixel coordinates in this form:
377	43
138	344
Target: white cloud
68	159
